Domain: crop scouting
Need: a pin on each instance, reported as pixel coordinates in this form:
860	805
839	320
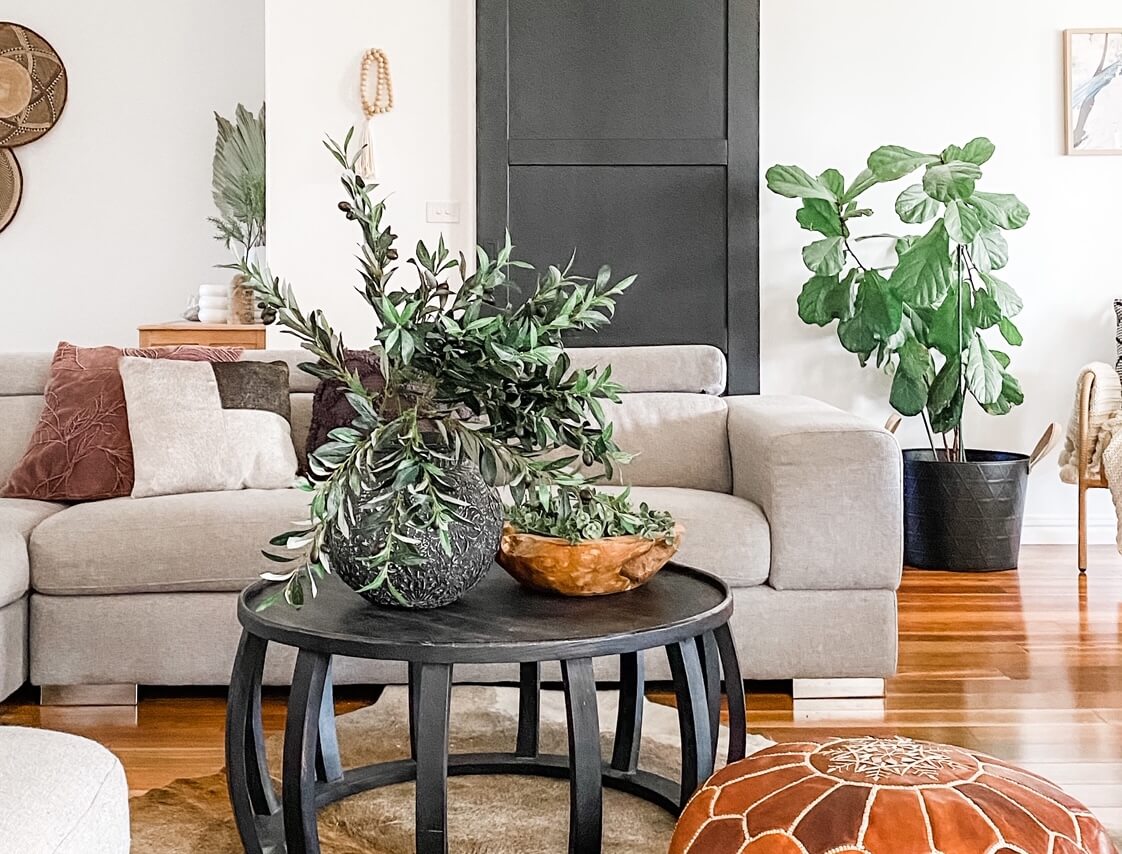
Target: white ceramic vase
214	303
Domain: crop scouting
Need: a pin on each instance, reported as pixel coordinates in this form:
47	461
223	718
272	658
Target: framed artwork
1093	91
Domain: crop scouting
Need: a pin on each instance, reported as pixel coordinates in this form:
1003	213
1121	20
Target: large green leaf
915	206
954	180
865	180
879	306
989	251
1011	395
946	419
821	216
825	257
978	151
947	384
876	318
892	162
795	183
1003	294
983	372
825	299
1010	332
923	276
908	395
943	333
833	180
1002	209
986	312
962	221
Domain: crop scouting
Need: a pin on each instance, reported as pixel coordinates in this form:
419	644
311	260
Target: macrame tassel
366	166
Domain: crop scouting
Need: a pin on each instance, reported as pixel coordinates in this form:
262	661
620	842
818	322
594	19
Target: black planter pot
965	517
441	579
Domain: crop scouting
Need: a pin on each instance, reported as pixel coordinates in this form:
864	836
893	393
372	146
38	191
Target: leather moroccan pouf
882	796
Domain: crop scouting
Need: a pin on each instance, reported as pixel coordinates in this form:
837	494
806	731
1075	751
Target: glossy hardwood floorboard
1024	665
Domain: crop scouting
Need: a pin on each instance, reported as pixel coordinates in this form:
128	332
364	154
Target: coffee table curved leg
629	714
586	796
693	716
529	709
711	666
251	789
734	690
329	767
301	746
433	698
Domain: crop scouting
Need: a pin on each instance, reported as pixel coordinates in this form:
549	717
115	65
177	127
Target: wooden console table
249	336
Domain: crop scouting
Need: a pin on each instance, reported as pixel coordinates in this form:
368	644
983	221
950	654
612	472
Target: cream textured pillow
208	427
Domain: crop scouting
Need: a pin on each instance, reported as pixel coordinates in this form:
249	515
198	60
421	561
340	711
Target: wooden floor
1024	665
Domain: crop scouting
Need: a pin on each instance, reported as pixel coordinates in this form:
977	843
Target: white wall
112	231
425	147
840	79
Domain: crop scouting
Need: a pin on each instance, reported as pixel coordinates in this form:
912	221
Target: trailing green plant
470	379
922	319
587	514
239	180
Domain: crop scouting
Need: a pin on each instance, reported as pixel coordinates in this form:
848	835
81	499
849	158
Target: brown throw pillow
330	407
81	450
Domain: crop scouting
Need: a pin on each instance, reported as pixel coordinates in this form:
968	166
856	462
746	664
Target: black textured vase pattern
964	516
442	578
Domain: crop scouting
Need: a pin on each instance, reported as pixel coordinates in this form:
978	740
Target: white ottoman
60	794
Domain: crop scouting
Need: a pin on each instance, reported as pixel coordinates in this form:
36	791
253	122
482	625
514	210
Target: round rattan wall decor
32	85
11	187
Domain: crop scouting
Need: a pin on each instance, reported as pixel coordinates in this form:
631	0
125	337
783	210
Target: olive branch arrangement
470	379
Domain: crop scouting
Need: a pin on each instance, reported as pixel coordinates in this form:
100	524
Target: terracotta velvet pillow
81	449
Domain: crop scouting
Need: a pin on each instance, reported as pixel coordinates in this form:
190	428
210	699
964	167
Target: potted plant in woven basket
937	320
474	393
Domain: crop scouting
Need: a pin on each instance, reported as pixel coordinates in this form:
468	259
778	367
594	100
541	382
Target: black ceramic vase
964	516
442	578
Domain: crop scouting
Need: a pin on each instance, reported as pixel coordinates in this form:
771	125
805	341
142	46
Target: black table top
499	621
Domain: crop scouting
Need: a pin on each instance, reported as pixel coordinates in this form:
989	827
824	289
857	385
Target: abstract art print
1093	91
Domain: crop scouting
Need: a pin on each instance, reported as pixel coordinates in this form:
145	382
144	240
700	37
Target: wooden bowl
589	568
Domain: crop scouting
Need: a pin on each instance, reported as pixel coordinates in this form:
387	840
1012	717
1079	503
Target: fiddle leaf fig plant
937	319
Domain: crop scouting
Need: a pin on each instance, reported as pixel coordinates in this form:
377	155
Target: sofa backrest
672	417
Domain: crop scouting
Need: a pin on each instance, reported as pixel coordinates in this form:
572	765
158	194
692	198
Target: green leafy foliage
925	319
470	379
239	180
587	514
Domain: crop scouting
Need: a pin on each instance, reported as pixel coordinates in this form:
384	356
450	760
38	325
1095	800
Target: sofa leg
833	689
87	695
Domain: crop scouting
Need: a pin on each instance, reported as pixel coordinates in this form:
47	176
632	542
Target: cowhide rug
486	815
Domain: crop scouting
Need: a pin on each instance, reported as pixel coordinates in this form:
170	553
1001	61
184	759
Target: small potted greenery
587	543
239	183
478	393
930	320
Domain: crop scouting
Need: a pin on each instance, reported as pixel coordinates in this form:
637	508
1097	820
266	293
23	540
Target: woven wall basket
32	85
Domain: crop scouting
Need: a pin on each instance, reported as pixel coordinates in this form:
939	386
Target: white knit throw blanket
1104	423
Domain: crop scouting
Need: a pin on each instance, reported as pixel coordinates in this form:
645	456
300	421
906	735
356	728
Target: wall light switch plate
442	211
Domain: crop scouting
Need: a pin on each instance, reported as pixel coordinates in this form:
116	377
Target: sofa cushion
725	535
678	439
207	541
18	518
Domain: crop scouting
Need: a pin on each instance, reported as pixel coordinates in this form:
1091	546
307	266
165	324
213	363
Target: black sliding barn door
628	129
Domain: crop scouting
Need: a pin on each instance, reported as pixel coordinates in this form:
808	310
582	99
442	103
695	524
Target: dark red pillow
81	450
330	407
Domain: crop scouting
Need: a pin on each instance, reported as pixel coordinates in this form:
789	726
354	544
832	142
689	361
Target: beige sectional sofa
797	505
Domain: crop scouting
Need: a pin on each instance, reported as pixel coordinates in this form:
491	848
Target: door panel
628	129
647	220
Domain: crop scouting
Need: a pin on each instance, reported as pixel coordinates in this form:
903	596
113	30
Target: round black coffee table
681	609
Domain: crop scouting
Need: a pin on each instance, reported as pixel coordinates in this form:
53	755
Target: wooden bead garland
382	102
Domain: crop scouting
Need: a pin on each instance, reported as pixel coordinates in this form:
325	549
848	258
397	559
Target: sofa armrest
831	486
18	518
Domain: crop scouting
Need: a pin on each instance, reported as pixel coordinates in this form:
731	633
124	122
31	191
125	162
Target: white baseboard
1061	530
